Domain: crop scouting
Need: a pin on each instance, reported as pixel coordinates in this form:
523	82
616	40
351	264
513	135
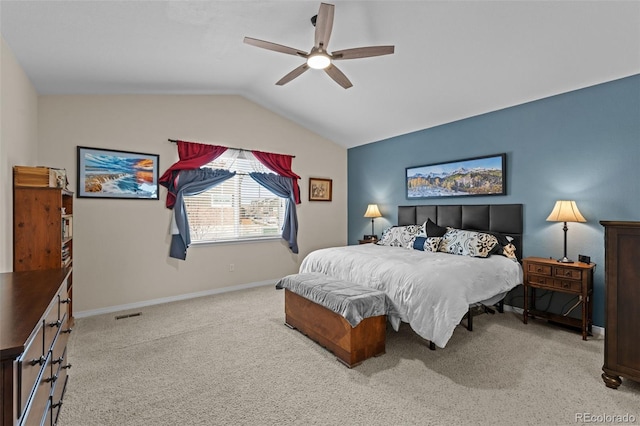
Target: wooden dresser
34	330
622	302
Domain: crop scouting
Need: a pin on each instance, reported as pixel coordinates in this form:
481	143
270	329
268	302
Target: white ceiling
453	59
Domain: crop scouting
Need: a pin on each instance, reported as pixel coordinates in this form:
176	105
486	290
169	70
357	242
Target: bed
432	290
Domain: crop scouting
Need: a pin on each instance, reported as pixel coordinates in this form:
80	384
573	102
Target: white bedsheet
431	291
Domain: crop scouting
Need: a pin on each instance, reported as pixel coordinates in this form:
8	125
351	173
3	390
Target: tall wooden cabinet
622	302
43	230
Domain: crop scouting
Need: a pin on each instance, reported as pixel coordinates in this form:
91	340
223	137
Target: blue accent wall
582	145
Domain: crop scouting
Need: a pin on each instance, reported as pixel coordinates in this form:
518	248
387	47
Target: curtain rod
237	149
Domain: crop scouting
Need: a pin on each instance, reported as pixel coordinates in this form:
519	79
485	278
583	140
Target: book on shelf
67	228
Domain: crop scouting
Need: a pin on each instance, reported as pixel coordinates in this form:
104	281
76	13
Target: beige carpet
229	360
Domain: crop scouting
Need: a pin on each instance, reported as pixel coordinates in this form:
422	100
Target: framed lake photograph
106	173
460	178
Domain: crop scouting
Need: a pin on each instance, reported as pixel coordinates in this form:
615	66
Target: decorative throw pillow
508	251
434	230
504	247
467	243
400	236
432	244
427	243
418	243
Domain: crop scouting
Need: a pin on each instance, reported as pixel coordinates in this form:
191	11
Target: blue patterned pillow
467	243
400	236
427	243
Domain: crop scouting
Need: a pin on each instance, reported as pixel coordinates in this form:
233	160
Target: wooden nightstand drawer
574	274
539	280
568	285
534	268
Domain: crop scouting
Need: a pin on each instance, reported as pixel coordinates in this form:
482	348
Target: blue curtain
191	182
283	188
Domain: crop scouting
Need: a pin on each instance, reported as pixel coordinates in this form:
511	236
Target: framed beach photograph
106	173
461	178
319	189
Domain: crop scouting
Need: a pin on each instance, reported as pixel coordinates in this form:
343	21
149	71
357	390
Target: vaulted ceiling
453	59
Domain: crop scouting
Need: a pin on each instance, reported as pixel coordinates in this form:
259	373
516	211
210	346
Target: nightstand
571	278
370	241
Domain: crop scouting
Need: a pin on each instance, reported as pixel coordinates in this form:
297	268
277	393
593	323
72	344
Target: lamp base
565	260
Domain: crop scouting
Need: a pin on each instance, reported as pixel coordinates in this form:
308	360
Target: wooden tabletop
24	298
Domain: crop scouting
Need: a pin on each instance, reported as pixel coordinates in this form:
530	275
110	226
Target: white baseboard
595	330
128	306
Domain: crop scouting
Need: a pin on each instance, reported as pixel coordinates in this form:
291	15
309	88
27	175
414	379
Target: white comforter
431	291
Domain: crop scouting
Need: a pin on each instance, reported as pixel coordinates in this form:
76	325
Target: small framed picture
319	189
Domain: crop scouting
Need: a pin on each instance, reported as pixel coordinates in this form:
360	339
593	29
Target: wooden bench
350	344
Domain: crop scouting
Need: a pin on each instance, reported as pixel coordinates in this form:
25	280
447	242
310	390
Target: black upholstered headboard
503	218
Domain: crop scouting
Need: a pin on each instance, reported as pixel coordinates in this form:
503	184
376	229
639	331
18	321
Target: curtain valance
194	155
191	156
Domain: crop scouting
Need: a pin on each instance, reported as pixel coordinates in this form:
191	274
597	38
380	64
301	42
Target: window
238	208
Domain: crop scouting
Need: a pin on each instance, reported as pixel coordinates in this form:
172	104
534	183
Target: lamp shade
565	211
372	211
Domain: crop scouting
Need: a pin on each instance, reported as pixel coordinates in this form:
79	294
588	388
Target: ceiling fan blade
275	47
338	76
324	24
362	52
293	74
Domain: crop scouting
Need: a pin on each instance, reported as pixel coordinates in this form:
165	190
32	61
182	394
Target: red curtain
192	156
281	164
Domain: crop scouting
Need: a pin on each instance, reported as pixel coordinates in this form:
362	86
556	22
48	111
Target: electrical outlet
232	267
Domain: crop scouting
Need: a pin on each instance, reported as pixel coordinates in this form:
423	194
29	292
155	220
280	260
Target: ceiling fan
319	57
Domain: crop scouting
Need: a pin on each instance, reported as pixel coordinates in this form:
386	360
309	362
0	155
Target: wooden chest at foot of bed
351	345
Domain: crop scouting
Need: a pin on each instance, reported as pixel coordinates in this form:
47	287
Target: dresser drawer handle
35	361
67	300
538	269
567	274
51	379
55	324
68	330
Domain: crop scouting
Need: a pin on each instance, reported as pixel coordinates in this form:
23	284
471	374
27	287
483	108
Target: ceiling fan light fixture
318	57
318	61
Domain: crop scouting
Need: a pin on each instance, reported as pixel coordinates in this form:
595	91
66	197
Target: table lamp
565	211
372	212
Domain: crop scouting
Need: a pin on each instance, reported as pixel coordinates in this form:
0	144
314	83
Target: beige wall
18	140
121	246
